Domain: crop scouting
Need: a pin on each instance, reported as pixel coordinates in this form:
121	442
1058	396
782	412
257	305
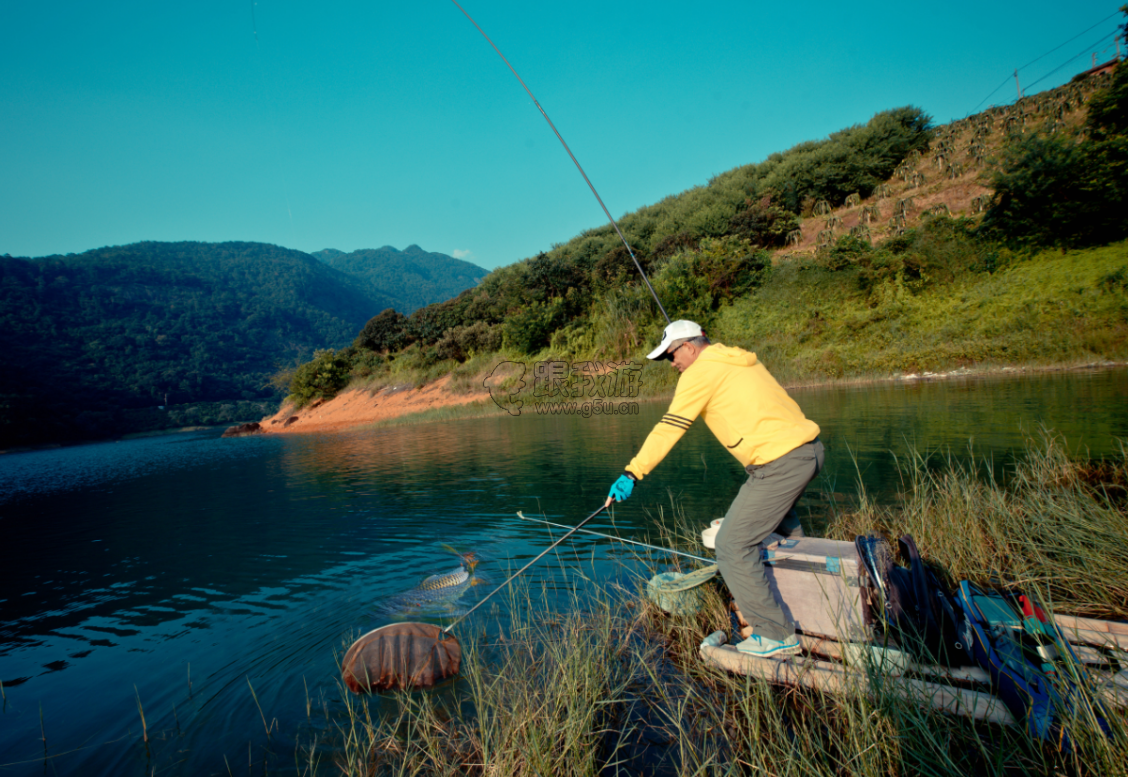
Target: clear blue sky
359	124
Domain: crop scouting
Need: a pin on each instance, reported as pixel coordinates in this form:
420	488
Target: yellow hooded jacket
742	404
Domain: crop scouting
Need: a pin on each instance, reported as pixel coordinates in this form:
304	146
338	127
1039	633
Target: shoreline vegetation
437	402
609	684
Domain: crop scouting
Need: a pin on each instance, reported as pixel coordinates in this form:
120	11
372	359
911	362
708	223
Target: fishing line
515	575
574	160
521	515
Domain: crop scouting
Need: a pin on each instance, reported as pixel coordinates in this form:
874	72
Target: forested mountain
413	278
85	337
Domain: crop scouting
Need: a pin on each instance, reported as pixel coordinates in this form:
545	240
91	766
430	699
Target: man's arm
692	395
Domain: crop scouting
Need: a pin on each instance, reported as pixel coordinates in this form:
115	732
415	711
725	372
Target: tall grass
543	697
1057	523
612	685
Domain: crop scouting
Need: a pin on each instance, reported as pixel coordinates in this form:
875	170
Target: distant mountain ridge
414	278
85	338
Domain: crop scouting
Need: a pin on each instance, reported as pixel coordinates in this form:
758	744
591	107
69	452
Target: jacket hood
726	354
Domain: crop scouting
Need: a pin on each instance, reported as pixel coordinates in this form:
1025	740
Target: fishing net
682	582
677	593
401	656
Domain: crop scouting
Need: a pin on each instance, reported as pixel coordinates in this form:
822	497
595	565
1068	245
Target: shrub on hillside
694	284
327	374
935	252
429	324
462	342
383	332
366	363
764	224
855	159
847	251
671	245
530	328
615	268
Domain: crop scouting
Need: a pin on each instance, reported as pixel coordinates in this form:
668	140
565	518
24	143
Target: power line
1075	37
1041	56
1086	50
988	97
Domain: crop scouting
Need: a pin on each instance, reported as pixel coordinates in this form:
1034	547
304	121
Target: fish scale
452	578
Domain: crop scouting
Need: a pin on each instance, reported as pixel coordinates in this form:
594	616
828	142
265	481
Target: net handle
512	577
523	517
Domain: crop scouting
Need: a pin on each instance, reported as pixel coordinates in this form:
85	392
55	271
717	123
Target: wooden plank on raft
1105	682
1097	638
838	651
833	678
1072	622
1089	656
815	550
1091	631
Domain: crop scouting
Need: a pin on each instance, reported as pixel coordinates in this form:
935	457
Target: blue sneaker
762	647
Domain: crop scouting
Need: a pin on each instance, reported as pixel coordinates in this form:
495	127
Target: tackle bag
1022	650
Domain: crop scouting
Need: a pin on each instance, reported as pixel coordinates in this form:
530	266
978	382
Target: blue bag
1023	663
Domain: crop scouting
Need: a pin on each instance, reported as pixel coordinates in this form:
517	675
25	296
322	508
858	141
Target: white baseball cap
678	330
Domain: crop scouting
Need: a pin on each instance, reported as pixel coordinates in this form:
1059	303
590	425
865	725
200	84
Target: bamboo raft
818	584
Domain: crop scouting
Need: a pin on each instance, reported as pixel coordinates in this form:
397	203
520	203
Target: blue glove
622	488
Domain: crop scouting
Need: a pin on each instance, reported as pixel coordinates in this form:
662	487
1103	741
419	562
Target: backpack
916	609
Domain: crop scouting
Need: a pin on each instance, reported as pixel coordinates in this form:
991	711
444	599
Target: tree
384	332
1052	190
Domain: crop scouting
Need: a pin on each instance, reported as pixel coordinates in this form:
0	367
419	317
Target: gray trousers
765	502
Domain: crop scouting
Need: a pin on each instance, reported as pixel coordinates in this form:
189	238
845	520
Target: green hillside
858	254
411	278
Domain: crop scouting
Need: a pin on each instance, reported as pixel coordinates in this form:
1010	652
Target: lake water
210	583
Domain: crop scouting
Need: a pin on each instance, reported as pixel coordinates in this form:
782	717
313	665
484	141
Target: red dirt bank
360	406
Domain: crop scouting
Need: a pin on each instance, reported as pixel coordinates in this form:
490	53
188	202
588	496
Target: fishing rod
618	539
574	160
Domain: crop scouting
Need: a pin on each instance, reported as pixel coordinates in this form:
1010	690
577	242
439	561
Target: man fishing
763	427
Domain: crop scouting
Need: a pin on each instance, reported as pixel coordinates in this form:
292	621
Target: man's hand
620	490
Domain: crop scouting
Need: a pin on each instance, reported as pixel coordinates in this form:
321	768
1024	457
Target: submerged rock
242	430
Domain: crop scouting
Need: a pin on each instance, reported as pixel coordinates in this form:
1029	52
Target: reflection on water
182	572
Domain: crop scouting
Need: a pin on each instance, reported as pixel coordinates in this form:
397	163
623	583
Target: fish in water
438	594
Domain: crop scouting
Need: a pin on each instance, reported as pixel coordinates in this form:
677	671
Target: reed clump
1056	522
